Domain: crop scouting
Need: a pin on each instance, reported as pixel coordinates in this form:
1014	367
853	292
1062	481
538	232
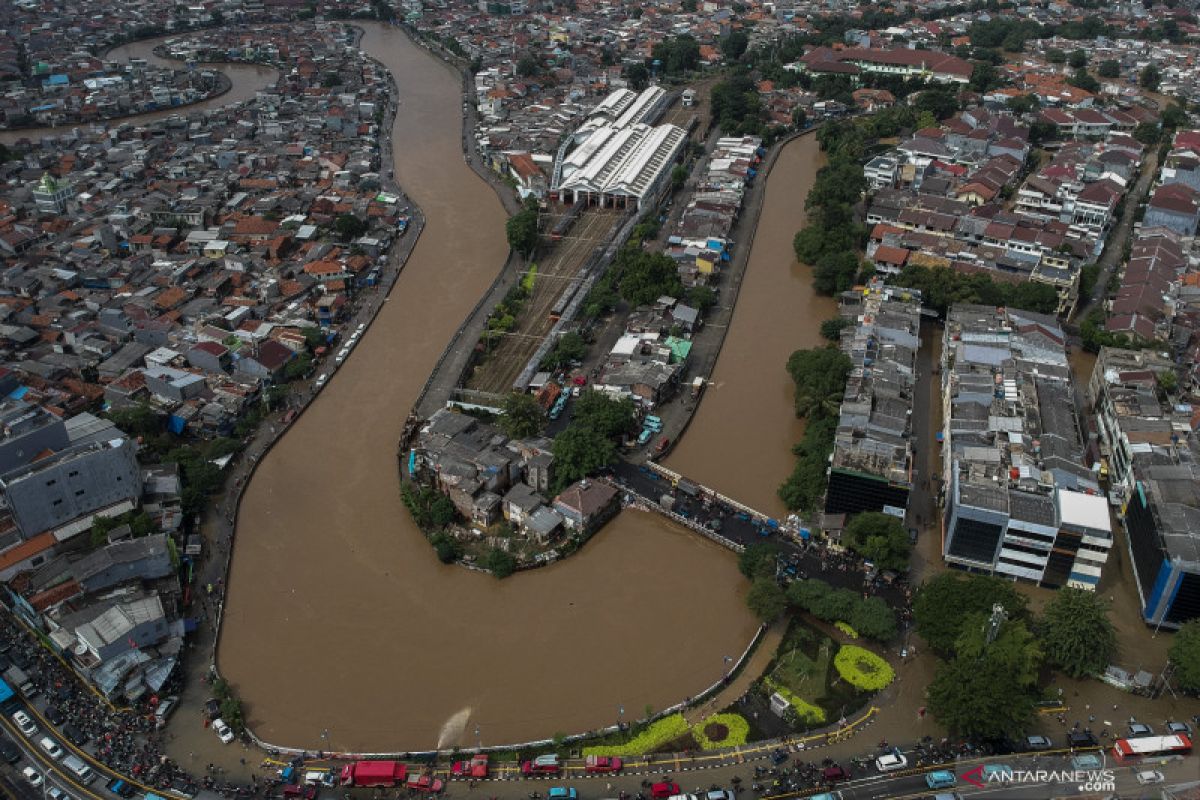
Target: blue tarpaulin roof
18	393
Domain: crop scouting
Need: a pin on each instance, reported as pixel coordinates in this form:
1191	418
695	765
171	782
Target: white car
55	793
891	762
33	776
362	326
1149	776
321	381
52	748
224	732
24	723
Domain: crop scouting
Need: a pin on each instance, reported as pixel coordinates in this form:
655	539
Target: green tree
447	548
759	560
1083	80
349	227
677	54
1015	646
874	619
1149	77
571	346
831	329
820	377
701	297
766	599
679	176
880	538
139	420
1174	116
979	697
1078	59
1109	69
734	45
1022	103
943	603
939	102
499	562
522	231
528	66
645	277
1056	56
1185	656
522	416
578	452
608	416
984	76
1148	133
1076	633
638	76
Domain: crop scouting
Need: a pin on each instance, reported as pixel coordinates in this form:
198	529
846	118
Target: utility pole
998	618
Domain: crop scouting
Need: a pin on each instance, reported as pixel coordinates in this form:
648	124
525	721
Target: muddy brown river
339	618
740	441
245	82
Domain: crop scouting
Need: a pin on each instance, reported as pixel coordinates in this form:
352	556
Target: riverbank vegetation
820	377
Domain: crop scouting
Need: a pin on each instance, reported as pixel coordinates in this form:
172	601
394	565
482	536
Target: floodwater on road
246	81
339	618
740	442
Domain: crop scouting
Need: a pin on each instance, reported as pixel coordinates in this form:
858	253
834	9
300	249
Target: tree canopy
522	416
980	697
580	451
766	599
820	377
759	560
1076	633
677	54
608	416
880	538
1185	656
944	603
522	231
349	227
646	276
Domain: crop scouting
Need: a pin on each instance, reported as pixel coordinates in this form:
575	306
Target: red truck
374	773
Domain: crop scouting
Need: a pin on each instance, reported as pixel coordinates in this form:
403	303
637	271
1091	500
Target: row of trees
820	378
942	287
986	684
870	617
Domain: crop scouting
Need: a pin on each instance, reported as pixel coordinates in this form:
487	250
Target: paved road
1110	259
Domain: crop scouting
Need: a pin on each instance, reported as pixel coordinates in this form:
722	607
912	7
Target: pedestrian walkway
753	668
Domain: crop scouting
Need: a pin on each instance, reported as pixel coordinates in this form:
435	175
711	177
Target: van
82	772
940	779
165	709
319	777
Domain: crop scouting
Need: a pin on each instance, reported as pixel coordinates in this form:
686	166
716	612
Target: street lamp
728	659
620	718
478	738
324	740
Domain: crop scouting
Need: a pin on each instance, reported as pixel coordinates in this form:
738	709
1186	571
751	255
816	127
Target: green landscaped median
862	669
649	740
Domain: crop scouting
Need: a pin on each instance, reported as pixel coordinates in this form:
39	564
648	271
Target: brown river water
338	615
740	441
246	80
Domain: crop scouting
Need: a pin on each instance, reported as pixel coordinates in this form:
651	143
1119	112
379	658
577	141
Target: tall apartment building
1152	459
871	469
1019	501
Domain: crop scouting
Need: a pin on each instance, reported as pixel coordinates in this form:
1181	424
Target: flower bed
653	737
806	711
721	730
862	669
845	628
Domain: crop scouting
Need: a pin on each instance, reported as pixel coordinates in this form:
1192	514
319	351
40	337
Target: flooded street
247	80
741	439
339	617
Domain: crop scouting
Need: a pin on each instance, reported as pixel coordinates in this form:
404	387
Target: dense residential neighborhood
621	266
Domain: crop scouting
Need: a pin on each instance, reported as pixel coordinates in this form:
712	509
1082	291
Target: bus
1146	746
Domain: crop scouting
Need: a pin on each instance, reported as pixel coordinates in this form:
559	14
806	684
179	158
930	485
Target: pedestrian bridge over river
728	522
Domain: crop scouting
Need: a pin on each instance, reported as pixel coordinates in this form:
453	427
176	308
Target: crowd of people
125	740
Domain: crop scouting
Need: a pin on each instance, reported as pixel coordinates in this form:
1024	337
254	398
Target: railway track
555	272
